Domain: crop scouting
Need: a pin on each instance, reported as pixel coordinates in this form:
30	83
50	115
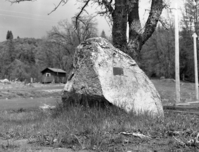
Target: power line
23	13
26	18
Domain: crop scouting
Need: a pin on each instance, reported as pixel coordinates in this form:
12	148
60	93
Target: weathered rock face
103	72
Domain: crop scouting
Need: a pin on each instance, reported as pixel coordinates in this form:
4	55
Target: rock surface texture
103	72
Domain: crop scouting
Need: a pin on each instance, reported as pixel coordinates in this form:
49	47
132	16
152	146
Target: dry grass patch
99	129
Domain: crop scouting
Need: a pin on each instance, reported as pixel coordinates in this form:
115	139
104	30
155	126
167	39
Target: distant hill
21	41
24	58
21	45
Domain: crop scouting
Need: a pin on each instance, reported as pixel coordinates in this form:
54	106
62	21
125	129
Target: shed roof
54	70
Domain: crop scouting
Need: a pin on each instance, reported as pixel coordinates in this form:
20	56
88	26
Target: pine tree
9	35
103	34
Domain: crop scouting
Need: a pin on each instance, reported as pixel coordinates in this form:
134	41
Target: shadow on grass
83	127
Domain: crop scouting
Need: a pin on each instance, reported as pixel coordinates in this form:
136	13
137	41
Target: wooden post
195	63
177	69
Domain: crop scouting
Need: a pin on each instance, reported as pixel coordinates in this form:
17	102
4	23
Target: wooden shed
53	75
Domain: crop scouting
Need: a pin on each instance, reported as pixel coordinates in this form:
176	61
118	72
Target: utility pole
195	49
195	63
177	56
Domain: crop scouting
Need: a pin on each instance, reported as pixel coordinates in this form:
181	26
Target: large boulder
104	73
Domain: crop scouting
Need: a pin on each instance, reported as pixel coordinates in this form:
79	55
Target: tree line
158	54
152	45
24	58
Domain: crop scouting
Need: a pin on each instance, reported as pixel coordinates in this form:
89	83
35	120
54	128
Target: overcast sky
30	19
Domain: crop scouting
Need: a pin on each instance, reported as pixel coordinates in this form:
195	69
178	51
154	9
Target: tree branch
56	6
61	1
134	19
18	1
164	23
82	9
156	10
108	5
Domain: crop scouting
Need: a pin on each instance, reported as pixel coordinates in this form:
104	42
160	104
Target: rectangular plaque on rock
118	71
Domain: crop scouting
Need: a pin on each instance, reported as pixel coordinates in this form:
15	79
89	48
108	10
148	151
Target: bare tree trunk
119	17
135	29
127	11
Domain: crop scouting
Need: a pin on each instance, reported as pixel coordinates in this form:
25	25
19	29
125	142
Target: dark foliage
18	59
103	34
24	58
157	55
9	35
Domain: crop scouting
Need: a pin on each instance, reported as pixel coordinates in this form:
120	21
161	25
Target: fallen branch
179	141
136	135
81	141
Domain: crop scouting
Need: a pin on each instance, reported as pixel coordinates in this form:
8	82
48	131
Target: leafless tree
122	12
58	47
69	35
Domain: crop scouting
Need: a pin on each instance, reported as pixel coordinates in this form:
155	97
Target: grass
98	129
166	88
